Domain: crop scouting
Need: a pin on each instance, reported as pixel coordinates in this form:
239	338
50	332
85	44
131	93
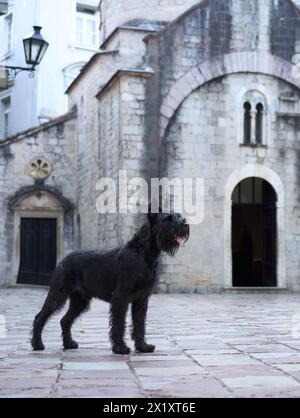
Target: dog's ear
153	211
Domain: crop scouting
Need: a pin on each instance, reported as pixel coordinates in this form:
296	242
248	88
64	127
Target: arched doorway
254	234
40	215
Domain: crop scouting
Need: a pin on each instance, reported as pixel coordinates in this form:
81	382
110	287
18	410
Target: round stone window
40	169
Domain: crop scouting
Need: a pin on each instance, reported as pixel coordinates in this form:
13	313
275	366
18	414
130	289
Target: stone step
255	290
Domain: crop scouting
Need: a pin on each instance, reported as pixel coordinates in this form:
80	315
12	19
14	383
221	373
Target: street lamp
35	47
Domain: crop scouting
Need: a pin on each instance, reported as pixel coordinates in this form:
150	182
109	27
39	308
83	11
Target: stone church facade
182	89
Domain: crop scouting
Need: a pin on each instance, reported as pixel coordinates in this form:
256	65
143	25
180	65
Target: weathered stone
184	84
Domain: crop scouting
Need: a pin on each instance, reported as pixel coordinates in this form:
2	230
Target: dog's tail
58	292
55	300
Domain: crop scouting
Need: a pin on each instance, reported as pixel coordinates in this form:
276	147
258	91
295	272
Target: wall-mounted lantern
35	48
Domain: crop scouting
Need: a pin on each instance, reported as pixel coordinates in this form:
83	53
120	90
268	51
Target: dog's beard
171	244
171	250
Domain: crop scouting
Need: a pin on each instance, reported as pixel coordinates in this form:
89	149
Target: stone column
253	114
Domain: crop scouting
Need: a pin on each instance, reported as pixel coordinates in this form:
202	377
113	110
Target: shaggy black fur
121	276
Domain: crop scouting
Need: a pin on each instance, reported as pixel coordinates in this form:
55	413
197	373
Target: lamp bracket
14	71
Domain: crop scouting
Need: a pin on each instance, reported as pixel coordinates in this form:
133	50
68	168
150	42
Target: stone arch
38	202
38	190
206	71
260	171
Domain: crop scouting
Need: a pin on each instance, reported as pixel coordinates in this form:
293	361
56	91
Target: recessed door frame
261	171
254	234
19	214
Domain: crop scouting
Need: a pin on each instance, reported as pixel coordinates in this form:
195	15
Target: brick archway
237	62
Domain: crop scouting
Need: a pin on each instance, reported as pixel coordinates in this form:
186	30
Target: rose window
40	169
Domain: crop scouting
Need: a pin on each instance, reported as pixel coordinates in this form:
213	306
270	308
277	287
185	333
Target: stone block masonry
55	143
165	96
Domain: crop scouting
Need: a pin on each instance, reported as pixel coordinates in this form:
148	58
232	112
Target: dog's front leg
139	312
118	310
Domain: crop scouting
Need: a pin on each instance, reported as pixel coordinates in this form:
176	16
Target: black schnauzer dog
121	276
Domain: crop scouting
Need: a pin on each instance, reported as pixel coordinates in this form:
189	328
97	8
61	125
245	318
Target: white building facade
72	29
3	7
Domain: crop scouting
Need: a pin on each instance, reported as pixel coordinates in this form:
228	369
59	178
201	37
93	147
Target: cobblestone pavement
228	345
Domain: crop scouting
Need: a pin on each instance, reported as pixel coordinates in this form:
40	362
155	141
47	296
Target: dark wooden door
269	238
38	251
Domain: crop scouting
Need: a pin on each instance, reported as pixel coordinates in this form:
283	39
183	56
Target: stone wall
133	150
120	128
284	27
204	141
117	117
93	154
118	12
212	29
56	144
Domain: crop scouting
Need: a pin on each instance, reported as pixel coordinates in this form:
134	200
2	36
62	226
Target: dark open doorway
254	234
38	252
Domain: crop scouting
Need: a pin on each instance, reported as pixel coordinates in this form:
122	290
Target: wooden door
38	252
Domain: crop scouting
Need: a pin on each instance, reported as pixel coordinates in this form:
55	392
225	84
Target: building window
247	123
86	26
8	33
5	110
259	123
254	119
71	72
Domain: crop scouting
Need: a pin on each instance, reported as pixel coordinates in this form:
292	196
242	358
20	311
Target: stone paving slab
239	345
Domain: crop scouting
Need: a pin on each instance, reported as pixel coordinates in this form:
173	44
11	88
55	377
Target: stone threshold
255	289
27	286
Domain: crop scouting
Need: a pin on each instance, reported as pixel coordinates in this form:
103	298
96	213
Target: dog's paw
145	348
123	349
37	346
71	345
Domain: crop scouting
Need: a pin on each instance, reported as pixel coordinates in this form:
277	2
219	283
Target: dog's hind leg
78	305
118	311
139	312
54	302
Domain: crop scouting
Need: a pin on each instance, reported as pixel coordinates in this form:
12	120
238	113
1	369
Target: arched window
71	72
259	123
247	123
254	121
